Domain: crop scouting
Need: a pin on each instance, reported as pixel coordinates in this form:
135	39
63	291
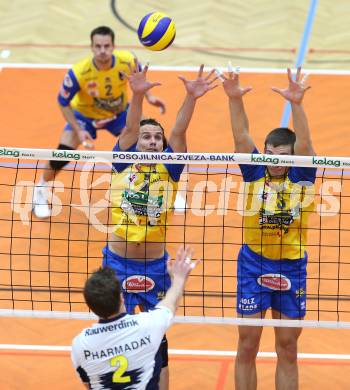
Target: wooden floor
254	34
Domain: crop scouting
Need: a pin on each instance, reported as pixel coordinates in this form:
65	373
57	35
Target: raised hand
201	85
296	88
182	266
138	79
231	85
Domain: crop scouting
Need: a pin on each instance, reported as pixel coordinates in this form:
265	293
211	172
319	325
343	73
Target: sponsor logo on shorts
138	283
160	295
64	93
247	304
276	282
67	81
299	292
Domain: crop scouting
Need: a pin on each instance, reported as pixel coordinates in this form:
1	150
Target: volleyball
156	31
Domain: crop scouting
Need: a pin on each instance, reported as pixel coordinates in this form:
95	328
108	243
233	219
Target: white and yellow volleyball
156	31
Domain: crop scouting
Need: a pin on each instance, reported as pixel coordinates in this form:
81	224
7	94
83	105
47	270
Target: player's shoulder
83	67
124	56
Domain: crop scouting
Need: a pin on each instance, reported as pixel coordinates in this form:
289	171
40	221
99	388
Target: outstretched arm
195	89
295	95
139	87
239	120
179	271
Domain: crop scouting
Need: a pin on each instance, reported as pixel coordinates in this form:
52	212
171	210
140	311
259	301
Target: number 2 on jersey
122	363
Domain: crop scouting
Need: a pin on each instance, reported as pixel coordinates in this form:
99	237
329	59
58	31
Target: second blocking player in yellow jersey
93	96
142	196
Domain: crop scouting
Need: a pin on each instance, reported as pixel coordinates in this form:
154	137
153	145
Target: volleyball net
45	263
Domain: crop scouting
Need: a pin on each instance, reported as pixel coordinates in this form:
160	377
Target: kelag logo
259	158
325	161
66	154
9	152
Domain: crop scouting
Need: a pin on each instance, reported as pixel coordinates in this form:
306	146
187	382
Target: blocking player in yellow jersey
93	96
142	197
272	262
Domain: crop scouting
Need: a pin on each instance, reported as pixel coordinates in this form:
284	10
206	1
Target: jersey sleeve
69	88
119	167
252	172
158	321
302	174
174	170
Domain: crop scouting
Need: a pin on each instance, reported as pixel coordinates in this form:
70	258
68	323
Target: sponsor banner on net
176	158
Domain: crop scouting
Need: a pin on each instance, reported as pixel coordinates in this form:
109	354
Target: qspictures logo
326	161
9	152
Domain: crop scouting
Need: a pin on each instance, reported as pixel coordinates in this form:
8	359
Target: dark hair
102	30
281	136
102	292
153	122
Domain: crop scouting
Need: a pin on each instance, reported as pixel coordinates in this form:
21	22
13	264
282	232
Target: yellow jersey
142	199
276	211
94	93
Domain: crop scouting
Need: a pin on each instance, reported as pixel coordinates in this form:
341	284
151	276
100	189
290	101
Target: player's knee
287	348
58	165
248	344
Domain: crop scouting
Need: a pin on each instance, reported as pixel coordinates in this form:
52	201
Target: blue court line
301	55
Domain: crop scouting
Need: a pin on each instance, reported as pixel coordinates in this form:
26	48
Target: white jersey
119	353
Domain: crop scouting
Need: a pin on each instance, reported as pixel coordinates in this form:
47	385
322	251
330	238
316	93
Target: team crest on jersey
131	178
67	81
138	283
264	195
275	282
108	80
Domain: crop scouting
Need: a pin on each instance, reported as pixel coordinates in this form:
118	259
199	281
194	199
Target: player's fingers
289	73
195	263
246	90
182	78
304	79
214	79
220	75
213	87
210	74
298	74
130	68
277	90
88	145
155	84
124	75
145	68
200	73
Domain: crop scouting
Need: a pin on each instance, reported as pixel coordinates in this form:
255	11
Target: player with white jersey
120	351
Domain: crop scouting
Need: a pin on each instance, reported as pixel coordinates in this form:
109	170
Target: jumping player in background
142	197
120	351
272	262
93	96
